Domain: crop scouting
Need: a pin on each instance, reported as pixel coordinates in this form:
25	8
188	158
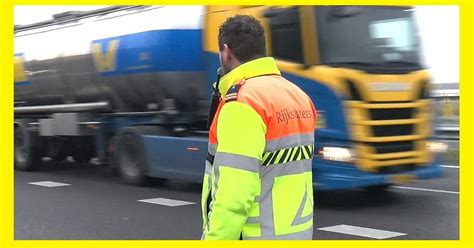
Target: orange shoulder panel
284	107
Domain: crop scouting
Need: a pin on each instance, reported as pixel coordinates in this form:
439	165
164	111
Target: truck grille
391	114
390	134
396	169
392	130
391	147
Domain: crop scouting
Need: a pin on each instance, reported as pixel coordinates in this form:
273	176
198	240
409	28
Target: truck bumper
330	175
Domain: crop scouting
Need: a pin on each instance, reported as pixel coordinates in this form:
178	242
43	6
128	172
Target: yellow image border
6	134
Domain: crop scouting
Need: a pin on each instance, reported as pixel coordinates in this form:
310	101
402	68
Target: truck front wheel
129	158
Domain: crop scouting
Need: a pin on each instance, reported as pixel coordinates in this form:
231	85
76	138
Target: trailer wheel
57	152
83	151
27	156
129	158
82	156
60	157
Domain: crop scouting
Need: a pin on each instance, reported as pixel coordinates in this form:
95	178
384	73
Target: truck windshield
365	37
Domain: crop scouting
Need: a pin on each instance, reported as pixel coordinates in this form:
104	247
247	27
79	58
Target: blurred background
104	91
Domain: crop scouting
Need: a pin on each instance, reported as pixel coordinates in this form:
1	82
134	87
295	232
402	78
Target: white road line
450	166
49	184
362	231
429	190
167	202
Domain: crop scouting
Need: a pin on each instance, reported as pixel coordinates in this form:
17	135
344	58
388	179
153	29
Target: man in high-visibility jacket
258	180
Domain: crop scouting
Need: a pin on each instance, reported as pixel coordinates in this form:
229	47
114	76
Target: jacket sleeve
241	142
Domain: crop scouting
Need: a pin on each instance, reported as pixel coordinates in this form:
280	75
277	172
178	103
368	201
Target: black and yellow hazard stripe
288	155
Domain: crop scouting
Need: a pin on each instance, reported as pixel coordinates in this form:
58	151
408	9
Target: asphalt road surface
86	202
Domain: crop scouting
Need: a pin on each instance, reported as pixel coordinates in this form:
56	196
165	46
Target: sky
439	31
438	27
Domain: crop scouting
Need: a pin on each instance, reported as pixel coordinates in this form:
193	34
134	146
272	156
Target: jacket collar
253	68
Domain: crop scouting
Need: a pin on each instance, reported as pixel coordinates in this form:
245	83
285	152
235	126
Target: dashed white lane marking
429	190
450	166
167	202
49	184
362	231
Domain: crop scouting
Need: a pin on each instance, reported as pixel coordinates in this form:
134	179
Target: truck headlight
436	146
339	154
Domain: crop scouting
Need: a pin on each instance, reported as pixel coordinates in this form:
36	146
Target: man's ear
227	53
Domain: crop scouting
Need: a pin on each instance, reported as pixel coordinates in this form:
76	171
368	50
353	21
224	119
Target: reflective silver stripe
253	220
237	161
208	169
299	219
267	224
265	200
304	235
215	168
212	148
231	95
289	141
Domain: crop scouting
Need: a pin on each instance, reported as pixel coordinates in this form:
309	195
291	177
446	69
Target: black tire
59	157
59	153
82	157
27	156
83	151
381	188
129	158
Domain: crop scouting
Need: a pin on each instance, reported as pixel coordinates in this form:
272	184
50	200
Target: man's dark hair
245	37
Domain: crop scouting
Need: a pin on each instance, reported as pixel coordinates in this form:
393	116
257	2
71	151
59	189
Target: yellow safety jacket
258	179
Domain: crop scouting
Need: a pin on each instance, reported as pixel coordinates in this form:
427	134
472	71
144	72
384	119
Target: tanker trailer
90	82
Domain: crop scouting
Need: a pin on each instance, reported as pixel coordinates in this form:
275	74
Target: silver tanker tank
117	59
